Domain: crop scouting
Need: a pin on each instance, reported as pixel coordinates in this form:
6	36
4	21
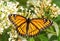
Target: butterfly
29	27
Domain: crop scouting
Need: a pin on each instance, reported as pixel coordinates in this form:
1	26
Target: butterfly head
28	20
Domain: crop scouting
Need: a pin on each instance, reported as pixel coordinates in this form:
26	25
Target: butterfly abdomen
28	21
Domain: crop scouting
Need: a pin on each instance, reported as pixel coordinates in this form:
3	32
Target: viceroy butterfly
29	27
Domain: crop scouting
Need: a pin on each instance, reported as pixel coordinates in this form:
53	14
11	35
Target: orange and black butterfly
29	27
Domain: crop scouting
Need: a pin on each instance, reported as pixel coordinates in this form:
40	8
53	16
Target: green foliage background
43	36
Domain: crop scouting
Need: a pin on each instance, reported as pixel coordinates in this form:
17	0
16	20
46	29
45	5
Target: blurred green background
43	36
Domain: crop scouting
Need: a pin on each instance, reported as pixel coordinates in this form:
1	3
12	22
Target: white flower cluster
13	35
6	9
43	6
55	10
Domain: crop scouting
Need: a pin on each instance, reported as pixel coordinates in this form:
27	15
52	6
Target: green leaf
37	39
31	39
54	37
56	28
59	34
43	37
59	38
4	36
22	2
12	0
57	19
57	2
50	35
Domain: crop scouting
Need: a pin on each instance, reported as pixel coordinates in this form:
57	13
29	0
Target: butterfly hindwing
36	25
19	22
32	30
22	29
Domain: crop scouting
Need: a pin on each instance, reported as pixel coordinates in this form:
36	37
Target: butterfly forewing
19	22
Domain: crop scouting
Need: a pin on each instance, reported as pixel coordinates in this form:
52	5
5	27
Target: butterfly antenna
26	15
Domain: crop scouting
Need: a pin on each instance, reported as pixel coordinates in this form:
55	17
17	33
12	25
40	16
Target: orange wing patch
16	19
41	23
